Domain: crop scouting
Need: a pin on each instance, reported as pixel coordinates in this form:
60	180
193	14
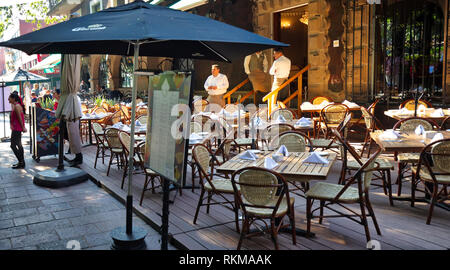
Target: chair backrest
408	125
262	113
440	153
195	127
318	100
259	188
97	128
143	119
112	137
200	105
372	106
334	113
444	124
274	130
293	140
115	118
286	113
125	140
368	119
410	104
99	110
202	157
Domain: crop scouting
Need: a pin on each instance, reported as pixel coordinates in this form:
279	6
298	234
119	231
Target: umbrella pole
4	139
132	237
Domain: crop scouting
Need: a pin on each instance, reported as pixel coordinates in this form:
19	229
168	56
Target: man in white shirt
280	70
256	66
216	85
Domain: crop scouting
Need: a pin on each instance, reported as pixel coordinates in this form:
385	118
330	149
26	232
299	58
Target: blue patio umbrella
142	29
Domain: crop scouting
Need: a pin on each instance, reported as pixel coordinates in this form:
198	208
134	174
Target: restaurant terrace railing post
227	96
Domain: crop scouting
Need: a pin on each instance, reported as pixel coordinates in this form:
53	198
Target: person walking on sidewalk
17	127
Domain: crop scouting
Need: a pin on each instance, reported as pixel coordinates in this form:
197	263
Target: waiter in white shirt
280	70
216	85
256	67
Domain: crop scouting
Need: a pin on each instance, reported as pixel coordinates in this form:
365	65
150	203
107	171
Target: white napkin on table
283	151
125	128
404	111
316	158
117	125
281	119
389	135
438	113
349	104
258	122
138	123
269	163
306	105
195	136
140	104
419	130
304	122
248	155
437	137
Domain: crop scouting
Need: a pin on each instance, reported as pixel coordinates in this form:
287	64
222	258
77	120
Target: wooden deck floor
402	226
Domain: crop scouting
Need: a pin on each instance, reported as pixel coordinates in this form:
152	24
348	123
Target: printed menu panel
165	146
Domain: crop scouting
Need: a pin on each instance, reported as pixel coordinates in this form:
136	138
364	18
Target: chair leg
364	219
110	162
236	215
124	175
198	205
143	190
274	234
432	202
243	232
96	157
372	214
383	178
322	203
401	168
152	180
413	190
292	220
389	186
308	215
209	201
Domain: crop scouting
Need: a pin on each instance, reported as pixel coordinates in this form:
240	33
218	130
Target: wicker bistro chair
286	113
115	147
372	124
263	195
143	119
434	171
329	194
410	104
409	125
102	144
273	131
210	184
331	143
445	123
331	116
150	175
295	141
200	105
348	165
141	111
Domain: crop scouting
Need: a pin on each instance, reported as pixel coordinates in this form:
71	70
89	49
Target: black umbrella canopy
166	33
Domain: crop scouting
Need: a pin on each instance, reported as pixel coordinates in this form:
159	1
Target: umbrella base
56	179
124	241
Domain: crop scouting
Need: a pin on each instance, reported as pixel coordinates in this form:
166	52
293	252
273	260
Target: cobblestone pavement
38	218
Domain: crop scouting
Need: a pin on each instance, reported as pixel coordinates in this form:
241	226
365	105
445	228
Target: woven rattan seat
117	150
425	175
221	185
408	157
149	171
328	191
265	212
384	164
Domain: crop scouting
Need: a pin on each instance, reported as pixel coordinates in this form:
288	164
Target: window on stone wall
126	72
95	6
103	73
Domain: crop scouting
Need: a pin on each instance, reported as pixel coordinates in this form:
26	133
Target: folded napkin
125	128
438	113
437	137
324	103
419	130
404	111
389	135
306	105
349	104
269	163
140	104
421	108
248	155
283	151
304	122
117	125
281	119
195	136
138	123
316	158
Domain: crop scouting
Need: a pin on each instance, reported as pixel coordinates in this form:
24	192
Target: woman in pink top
17	127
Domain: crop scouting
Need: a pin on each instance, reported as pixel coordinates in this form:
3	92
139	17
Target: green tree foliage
34	12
